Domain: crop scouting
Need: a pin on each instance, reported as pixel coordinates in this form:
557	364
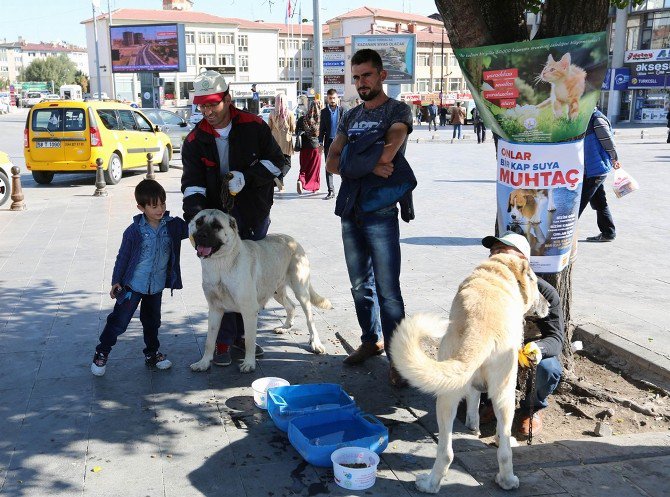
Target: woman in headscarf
282	124
310	154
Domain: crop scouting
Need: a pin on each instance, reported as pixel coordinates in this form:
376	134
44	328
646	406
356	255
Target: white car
5	178
33	98
265	113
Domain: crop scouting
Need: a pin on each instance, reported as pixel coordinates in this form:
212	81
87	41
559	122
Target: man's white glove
236	183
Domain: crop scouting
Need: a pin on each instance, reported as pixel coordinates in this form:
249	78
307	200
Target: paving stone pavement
179	433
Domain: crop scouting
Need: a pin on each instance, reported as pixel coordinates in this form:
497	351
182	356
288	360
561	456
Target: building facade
15	56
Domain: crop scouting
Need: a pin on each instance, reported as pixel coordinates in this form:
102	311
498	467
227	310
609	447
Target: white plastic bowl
260	388
354	478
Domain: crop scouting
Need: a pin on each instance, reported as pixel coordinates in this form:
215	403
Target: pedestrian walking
309	178
478	122
432	115
600	158
147	263
443	115
229	140
328	122
457	120
282	124
371	238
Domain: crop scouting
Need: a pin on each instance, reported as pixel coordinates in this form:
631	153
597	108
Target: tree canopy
59	69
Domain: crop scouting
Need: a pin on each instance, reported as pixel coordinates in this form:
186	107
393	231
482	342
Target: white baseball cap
511	239
209	86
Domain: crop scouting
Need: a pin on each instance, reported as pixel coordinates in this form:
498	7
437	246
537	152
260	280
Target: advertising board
148	48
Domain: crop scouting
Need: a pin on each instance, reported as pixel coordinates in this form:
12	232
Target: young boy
148	262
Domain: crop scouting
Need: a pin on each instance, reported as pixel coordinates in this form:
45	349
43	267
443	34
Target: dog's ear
233	223
530	199
509	201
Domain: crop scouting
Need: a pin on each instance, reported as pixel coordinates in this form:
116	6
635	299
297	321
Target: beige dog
242	275
477	353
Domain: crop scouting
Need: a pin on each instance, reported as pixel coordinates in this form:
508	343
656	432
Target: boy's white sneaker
157	360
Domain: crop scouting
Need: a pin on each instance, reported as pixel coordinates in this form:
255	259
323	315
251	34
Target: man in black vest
328	122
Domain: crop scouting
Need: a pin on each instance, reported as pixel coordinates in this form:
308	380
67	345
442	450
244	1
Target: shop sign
660	54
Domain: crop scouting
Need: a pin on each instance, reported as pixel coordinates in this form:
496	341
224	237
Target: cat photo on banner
538	91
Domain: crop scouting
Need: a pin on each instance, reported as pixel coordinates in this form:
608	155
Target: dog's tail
318	300
425	373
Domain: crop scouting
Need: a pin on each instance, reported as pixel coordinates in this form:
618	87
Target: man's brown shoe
365	351
395	379
525	422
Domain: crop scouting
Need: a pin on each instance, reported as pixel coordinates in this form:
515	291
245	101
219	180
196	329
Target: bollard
100	184
150	166
642	134
17	191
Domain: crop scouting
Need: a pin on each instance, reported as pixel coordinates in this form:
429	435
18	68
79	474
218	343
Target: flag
287	14
300	12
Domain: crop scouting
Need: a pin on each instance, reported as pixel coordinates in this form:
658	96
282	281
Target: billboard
148	48
398	53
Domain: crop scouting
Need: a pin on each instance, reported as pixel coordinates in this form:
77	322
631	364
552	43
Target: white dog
242	275
477	353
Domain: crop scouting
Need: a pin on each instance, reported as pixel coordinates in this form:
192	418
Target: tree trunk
473	23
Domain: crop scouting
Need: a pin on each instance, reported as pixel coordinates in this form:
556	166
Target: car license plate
50	144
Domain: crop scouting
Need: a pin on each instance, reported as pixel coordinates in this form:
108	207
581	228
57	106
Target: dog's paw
507	482
472	424
317	347
425	484
201	365
247	367
280	330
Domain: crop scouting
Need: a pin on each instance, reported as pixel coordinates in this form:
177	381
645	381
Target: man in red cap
229	140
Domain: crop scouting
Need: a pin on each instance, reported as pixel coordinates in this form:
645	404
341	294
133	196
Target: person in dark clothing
478	123
548	348
432	115
600	158
443	115
228	140
328	123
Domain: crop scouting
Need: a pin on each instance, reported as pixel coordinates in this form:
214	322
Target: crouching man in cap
229	140
543	352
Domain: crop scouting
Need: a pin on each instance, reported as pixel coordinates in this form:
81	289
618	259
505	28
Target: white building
18	55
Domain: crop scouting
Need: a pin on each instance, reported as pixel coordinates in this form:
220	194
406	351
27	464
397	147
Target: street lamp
94	4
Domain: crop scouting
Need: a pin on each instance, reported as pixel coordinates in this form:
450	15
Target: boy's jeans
372	253
548	375
117	321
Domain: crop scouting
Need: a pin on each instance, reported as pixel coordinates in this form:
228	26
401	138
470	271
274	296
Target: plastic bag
624	183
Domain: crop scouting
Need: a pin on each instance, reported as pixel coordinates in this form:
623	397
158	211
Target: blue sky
50	20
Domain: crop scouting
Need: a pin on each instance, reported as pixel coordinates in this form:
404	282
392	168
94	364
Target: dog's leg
551	207
445	407
282	297
301	290
502	397
250	318
213	325
472	415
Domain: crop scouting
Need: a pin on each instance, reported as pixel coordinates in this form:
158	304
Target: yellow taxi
67	136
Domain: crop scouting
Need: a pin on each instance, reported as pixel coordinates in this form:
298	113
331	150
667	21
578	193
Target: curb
632	353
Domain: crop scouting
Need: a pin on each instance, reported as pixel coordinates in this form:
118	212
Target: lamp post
318	50
94	4
442	69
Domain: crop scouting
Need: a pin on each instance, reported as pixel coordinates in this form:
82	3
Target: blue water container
288	402
316	436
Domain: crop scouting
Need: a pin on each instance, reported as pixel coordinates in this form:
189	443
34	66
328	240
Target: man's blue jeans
457	129
593	192
548	375
118	320
372	253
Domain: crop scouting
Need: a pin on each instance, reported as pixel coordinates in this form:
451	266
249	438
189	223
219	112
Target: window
282	61
437	60
422	59
306	45
422	84
170	118
282	44
307	63
243	63
75	120
454	84
224	38
225	60
142	122
190	59
452	60
190	37
127	120
52	120
243	43
206	38
206	59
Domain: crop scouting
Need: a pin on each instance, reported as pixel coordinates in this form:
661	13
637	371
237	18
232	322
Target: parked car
171	124
265	113
5	175
68	136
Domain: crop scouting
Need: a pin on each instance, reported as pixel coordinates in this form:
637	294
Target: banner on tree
539	188
540	91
